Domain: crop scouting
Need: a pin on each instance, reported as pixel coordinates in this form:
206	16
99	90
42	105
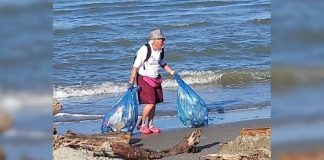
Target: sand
72	154
210	140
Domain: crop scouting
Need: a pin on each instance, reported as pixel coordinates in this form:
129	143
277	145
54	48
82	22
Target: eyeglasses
162	39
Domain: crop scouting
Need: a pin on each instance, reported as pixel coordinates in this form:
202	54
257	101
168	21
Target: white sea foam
190	77
77	91
76	115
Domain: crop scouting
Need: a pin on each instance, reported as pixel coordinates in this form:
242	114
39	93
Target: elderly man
149	59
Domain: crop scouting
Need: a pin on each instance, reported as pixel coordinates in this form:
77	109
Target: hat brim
157	38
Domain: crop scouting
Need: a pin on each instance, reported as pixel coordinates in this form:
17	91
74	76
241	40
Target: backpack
148	55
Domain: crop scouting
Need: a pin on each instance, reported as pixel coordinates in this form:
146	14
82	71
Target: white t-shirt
152	65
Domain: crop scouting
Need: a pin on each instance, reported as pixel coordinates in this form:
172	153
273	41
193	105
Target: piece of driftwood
255	131
251	144
100	144
188	144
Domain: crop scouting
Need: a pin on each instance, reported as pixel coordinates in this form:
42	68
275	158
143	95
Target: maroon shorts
148	94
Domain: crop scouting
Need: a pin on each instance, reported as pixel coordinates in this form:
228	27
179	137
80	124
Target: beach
211	139
220	49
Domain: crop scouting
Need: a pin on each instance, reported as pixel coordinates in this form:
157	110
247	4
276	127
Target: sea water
220	48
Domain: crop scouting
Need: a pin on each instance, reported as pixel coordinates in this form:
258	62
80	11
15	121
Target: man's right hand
174	74
130	85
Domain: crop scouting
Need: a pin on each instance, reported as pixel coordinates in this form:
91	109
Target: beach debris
57	107
99	144
188	144
251	144
116	145
54	131
5	121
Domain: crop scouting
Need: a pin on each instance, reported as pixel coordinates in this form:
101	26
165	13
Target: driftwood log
100	144
188	144
117	145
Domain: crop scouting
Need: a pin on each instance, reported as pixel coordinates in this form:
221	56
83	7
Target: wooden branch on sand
100	144
117	145
127	151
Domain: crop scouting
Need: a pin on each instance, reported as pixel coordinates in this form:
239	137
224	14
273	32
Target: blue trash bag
191	108
123	115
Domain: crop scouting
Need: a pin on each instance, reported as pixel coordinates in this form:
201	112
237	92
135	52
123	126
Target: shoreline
169	123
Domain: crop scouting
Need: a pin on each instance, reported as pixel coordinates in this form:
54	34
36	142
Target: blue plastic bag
123	115
191	108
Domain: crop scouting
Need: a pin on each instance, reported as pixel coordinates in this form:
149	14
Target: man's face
159	43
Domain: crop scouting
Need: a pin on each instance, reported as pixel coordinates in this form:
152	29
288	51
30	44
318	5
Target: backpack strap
149	52
162	54
148	55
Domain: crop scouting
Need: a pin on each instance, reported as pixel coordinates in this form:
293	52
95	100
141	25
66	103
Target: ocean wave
223	78
80	90
199	78
204	4
186	25
75	117
79	29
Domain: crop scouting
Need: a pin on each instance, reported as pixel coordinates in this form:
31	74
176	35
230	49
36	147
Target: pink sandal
145	130
155	130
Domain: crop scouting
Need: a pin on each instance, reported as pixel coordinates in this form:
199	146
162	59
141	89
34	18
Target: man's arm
168	69
133	74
